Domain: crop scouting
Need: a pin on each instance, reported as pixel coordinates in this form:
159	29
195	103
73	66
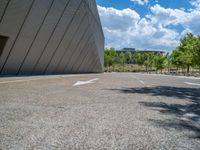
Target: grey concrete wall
51	37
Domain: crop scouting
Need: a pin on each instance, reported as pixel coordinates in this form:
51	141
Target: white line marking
27	80
174	76
37	78
142	82
78	83
190	83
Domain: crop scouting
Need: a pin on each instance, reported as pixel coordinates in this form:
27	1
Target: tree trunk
188	68
199	70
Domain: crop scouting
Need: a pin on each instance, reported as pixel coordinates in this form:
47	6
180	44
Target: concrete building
134	50
50	37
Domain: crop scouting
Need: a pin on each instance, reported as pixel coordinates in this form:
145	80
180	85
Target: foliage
139	58
109	57
122	58
128	57
185	56
159	61
196	52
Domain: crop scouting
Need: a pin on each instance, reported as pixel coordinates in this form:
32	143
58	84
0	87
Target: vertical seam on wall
17	35
97	59
4	11
67	28
38	31
95	67
84	59
82	50
66	50
91	66
62	13
87	27
98	22
87	39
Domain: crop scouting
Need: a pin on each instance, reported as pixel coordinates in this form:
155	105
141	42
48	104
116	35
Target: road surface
100	111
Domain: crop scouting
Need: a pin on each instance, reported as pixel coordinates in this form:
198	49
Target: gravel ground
121	111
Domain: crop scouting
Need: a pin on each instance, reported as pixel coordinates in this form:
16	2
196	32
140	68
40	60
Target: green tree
150	59
109	57
128	57
168	61
138	57
196	53
159	61
176	58
187	48
122	58
146	61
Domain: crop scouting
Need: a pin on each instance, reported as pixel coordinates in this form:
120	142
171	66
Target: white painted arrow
190	83
78	83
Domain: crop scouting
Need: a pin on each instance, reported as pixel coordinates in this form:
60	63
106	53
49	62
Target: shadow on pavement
184	116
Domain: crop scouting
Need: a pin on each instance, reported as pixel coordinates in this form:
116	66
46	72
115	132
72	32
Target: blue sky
148	24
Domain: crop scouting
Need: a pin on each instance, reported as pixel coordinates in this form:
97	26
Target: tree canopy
184	56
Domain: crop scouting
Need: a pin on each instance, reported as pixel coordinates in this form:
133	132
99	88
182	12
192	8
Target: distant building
133	50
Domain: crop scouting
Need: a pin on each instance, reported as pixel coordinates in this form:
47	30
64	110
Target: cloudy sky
148	24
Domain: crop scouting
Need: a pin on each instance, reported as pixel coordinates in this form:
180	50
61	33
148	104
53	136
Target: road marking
78	83
142	82
37	78
174	76
26	80
190	83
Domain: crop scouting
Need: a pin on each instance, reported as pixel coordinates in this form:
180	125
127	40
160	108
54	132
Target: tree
187	47
150	59
168	61
109	57
139	59
187	53
122	58
159	61
176	58
196	53
128	57
148	63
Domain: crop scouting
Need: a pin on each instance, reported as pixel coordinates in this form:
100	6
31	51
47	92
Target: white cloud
166	16
195	3
126	28
140	2
118	19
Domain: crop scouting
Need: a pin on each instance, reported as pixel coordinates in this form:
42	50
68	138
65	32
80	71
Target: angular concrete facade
50	37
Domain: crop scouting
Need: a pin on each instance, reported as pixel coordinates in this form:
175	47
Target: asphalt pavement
120	111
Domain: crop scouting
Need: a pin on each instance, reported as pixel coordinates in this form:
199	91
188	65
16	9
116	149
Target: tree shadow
185	116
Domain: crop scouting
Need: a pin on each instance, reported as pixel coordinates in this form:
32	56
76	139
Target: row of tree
149	60
185	56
